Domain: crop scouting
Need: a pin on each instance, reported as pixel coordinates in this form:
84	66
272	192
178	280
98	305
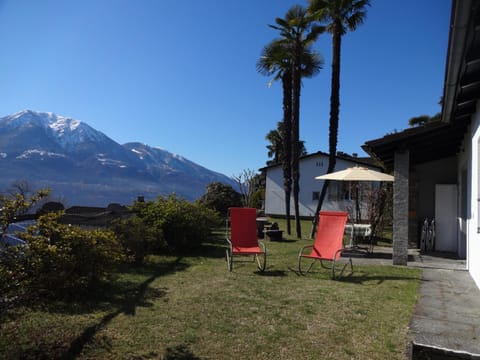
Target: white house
312	165
437	166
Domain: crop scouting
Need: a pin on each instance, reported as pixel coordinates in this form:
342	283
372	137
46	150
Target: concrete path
446	322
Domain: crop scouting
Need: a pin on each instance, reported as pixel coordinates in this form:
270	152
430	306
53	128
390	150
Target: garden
143	297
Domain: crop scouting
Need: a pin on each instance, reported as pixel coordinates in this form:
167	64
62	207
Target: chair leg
300	266
262	264
229	259
343	269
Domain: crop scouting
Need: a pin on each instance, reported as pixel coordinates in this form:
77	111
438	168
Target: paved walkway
446	322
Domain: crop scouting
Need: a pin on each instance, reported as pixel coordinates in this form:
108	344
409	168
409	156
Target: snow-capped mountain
83	166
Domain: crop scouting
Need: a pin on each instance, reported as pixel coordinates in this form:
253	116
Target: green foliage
424	119
257	198
220	197
185	225
276	147
139	236
58	259
172	223
12	275
18	204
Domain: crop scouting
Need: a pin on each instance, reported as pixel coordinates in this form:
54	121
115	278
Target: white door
446	218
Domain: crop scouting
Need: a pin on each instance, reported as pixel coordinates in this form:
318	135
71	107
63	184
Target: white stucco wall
310	167
470	157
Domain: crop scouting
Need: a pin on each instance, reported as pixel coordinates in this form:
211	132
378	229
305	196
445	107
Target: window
338	190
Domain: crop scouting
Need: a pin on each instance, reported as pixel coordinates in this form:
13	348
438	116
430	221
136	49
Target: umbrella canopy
356	173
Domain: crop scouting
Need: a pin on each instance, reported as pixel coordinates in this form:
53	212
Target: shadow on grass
180	352
116	297
355	277
139	296
116	293
213	248
273	273
361	278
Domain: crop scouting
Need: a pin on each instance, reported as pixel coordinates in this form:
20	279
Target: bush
178	224
12	275
65	259
185	225
139	238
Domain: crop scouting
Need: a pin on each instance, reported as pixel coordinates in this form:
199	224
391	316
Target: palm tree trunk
287	145
334	118
296	84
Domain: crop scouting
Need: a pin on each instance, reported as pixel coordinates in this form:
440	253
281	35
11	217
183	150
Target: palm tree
339	16
274	60
275	149
297	35
274	137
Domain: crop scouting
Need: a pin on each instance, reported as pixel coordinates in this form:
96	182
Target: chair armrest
303	248
336	253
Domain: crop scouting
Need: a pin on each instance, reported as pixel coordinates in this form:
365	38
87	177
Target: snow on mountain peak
63	124
67	131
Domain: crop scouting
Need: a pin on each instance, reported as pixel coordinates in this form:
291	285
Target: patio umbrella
356	173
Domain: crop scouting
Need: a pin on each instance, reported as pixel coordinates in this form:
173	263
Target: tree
339	16
220	197
275	138
21	187
274	60
294	56
424	119
246	183
275	149
17	204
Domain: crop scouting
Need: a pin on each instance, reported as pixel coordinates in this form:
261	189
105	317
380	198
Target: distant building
338	195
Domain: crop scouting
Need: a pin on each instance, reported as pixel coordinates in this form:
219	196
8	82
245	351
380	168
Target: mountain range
83	166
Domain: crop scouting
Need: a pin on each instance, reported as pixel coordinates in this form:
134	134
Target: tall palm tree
339	16
298	33
274	60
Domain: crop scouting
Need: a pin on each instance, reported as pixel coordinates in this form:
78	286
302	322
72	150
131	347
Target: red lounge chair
242	237
328	241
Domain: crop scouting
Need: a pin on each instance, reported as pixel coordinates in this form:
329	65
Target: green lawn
192	308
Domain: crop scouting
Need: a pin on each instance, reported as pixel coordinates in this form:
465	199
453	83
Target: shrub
12	275
184	224
63	258
178	224
138	238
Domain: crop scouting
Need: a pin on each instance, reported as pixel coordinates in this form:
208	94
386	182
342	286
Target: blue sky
181	75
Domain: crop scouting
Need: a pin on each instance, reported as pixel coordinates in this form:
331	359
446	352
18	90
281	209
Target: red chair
328	241
241	234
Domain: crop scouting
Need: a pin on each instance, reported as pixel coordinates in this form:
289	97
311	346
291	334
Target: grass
192	308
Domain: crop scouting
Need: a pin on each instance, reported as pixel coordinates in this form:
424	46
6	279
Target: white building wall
274	193
471	156
310	167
